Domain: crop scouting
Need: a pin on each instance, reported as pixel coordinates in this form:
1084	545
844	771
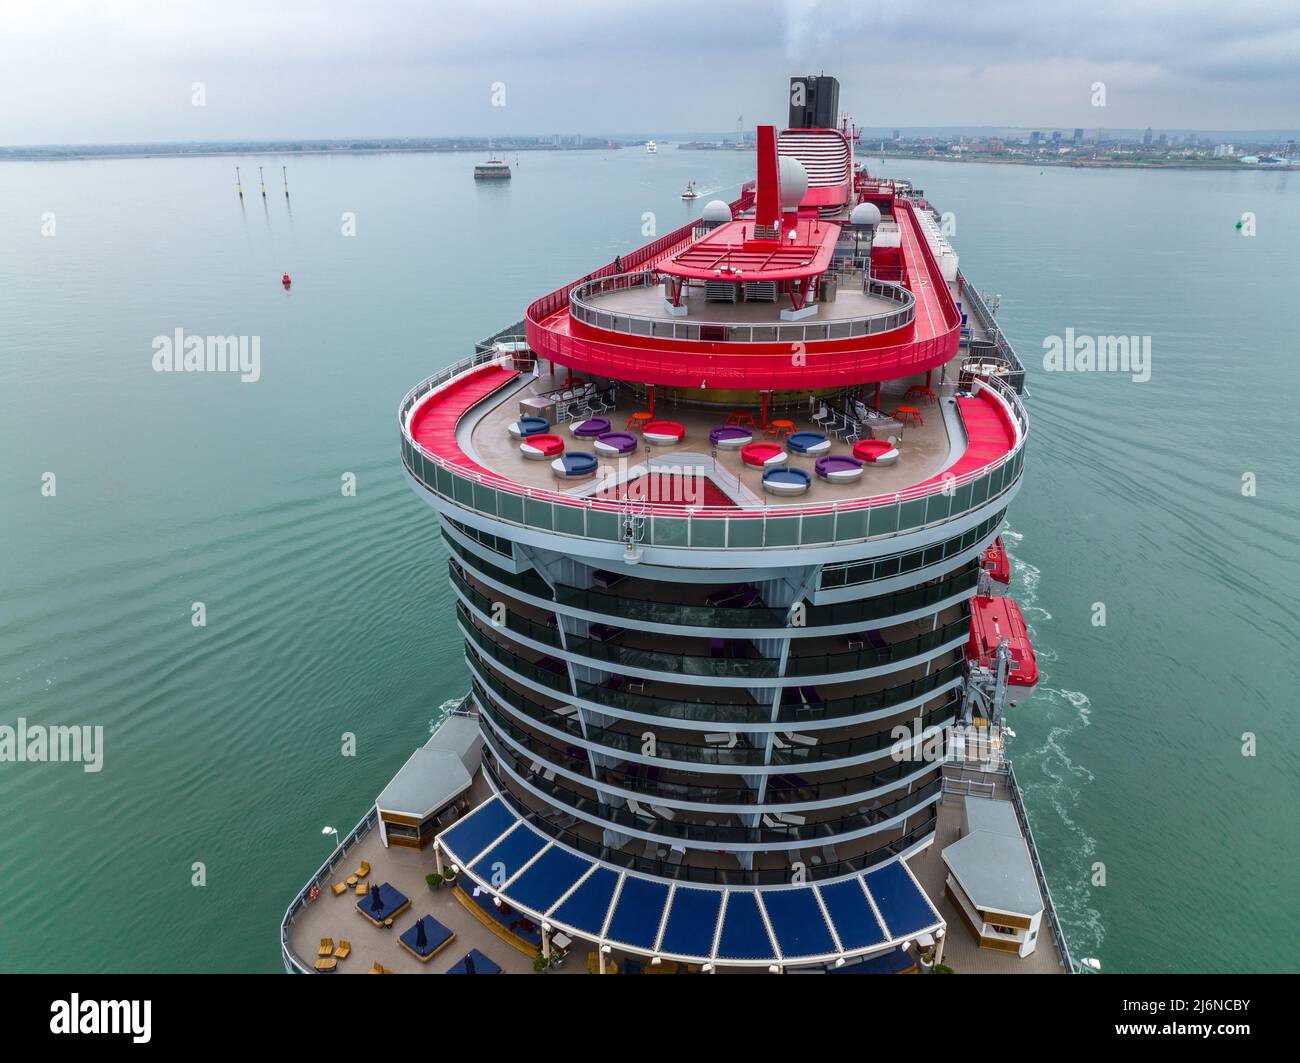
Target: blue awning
816	922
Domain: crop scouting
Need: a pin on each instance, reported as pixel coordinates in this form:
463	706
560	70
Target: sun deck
924	449
336	917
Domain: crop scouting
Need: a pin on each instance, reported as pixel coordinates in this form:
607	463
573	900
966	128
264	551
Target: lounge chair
326	947
344	950
339	888
363	889
363	870
325	965
637	810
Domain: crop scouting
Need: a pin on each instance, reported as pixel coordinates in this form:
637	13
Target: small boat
651	147
690	192
991	621
287	281
494	169
996	563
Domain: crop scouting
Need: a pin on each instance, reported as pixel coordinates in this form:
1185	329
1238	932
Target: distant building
895	134
1035	138
1078	137
1146	138
1056	138
996	146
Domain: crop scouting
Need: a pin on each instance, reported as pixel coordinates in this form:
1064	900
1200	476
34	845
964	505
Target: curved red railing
928	342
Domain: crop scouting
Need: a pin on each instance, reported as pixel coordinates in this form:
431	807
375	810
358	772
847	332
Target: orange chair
908	415
780	429
638	421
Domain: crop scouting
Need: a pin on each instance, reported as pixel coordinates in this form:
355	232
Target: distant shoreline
75	155
1075	164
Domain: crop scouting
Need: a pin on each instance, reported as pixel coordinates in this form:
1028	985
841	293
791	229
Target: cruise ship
722	523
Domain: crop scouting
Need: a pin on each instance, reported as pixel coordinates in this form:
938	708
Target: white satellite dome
865	214
716	210
794	182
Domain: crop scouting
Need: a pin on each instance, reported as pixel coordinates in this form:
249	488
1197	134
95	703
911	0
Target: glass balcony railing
712	619
858	573
821	832
835	664
545	821
530	755
585	305
748	751
780	791
678	663
801	707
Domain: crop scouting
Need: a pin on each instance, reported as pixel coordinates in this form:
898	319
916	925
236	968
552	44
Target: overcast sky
75	71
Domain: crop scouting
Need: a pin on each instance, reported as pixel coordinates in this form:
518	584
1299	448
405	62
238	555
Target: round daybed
529	426
612	444
663	433
786	481
731	437
762	455
875	451
574	466
590	428
810	443
838	468
542	446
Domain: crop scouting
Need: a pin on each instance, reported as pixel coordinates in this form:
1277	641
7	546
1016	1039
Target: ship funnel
767	197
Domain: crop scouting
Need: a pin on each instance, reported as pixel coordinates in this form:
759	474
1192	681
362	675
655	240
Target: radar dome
794	182
716	210
865	214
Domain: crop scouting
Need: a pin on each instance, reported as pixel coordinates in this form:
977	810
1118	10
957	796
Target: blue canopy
870	912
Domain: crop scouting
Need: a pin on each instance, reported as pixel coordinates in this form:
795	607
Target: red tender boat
997	564
992	620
